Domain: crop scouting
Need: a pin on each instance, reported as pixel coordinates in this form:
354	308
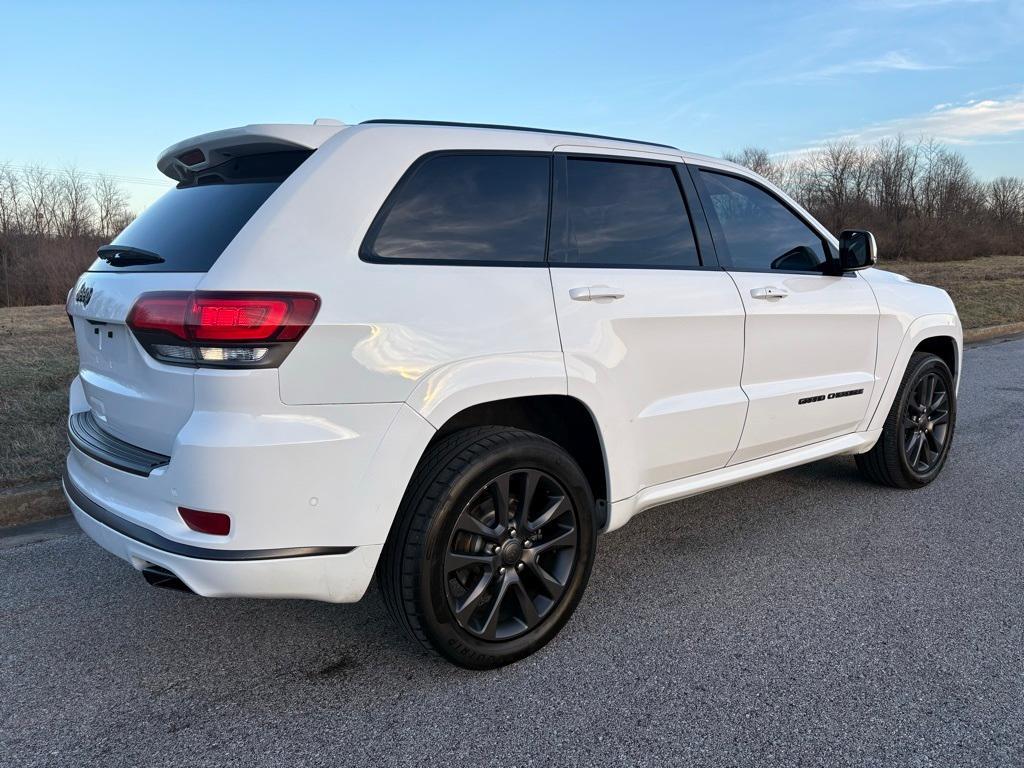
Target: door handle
592	292
769	293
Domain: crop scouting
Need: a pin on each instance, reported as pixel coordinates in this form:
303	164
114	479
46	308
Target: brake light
225	329
214	523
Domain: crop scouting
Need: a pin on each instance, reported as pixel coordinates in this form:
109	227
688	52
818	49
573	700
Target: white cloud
978	121
888	62
964	123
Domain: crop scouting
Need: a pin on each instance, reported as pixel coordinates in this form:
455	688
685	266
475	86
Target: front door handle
593	292
769	293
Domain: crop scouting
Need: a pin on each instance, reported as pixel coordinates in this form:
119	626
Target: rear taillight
214	523
233	330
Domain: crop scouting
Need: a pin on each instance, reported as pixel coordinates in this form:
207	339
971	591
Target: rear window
628	215
467	208
191	225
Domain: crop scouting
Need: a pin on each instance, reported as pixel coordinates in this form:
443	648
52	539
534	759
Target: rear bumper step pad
87	436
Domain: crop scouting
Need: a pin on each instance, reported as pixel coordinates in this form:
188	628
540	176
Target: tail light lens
232	330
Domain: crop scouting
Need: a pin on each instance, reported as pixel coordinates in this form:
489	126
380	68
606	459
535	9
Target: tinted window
469	208
760	232
192	224
627	214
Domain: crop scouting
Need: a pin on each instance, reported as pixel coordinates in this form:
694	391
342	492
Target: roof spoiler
182	161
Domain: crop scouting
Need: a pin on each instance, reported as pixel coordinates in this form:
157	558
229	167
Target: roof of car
493	126
195	154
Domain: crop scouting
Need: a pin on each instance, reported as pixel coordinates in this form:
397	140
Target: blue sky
106	86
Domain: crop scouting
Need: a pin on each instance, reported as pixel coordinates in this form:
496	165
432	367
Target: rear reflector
214	523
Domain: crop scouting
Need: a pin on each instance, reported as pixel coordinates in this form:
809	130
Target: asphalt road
808	618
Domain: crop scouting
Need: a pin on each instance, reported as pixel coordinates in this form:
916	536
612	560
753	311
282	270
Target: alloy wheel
926	423
510	555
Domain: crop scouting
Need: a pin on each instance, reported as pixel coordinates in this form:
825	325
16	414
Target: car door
809	359
652	334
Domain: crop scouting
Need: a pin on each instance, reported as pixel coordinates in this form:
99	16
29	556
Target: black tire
452	513
909	453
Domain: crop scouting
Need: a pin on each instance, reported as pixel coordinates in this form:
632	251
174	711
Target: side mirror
857	249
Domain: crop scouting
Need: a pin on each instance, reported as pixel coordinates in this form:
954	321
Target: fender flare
453	387
924	327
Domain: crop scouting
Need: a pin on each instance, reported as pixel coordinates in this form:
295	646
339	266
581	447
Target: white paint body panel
330	578
819	339
622	511
658	368
319	451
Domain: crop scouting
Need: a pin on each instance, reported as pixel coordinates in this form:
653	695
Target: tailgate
132	396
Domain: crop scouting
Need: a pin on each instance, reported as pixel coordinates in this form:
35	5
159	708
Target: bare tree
40	213
10	200
1006	200
112	211
50	225
761	162
921	198
73	204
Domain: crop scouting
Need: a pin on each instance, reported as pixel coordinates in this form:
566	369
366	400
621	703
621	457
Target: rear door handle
769	293
592	292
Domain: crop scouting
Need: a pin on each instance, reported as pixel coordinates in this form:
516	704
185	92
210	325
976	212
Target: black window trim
718	235
705	249
367	254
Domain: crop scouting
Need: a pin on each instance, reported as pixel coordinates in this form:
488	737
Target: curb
31	503
992	333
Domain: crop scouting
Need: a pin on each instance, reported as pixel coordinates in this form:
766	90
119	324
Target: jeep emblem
84	294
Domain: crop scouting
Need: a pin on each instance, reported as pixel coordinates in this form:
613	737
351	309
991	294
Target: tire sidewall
438	622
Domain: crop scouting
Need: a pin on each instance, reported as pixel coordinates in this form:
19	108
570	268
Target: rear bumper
331	574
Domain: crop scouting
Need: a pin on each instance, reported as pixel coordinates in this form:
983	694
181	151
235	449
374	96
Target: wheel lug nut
495	549
520	566
527	543
501	571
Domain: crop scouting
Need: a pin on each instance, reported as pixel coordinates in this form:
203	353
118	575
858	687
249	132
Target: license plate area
104	344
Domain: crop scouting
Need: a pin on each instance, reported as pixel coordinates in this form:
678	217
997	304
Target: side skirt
622	511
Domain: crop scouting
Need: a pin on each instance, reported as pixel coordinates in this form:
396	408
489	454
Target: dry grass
37	362
38	359
987	291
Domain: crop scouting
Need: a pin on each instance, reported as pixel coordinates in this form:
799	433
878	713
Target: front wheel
492	547
918	431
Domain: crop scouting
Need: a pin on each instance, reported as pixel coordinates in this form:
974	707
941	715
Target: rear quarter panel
382	327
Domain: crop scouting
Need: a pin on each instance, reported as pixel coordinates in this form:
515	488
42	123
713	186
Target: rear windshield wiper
127	256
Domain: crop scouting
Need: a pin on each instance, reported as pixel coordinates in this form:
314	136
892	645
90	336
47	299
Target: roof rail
445	123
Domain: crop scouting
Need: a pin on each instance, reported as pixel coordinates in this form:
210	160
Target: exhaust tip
161	577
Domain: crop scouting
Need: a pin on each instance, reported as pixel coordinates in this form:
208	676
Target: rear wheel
918	431
492	548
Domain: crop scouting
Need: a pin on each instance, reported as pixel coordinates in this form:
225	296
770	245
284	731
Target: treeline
920	198
51	223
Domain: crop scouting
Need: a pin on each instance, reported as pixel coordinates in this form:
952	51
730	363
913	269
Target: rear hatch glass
188	228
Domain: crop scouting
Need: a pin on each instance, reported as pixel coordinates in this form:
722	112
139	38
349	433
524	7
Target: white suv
454	354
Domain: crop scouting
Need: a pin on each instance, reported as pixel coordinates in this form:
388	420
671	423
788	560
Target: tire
920	423
462	568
